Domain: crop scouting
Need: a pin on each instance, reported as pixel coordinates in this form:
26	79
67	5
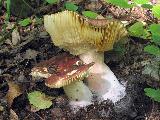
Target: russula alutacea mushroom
89	38
68	72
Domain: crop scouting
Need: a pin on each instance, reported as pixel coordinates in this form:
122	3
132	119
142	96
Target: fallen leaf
1	108
13	115
153	69
15	37
44	101
13	92
30	54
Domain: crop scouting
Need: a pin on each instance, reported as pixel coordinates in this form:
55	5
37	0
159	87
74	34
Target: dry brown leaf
13	92
30	54
15	37
13	115
1	108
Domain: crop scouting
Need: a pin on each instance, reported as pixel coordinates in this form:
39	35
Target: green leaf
148	6
153	93
90	14
146	34
120	3
25	22
52	1
39	100
156	38
156	11
155	28
152	49
8	9
136	29
141	1
71	6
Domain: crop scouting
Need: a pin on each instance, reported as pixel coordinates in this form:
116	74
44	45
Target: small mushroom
68	72
89	38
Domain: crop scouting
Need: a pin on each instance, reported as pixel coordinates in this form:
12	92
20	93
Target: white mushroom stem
78	93
101	79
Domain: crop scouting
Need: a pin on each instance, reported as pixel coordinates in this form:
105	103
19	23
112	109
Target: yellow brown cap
77	34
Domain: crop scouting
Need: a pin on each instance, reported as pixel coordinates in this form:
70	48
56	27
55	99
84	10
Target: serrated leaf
156	11
141	1
120	3
39	100
90	14
52	1
25	22
152	49
71	6
153	93
136	29
148	6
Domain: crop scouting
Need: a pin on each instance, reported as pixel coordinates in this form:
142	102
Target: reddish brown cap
61	70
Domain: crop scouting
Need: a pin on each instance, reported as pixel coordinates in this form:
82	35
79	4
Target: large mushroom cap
61	70
77	34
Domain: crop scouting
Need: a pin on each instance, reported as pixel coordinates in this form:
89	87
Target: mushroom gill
68	28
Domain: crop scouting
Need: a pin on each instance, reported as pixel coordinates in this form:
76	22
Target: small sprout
71	6
25	22
90	14
39	100
153	93
52	1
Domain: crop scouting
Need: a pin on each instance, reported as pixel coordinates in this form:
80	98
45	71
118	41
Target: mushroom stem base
78	94
102	80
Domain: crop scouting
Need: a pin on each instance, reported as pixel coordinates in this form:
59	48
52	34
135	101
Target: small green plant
153	93
71	6
8	10
39	100
52	1
120	3
25	22
90	14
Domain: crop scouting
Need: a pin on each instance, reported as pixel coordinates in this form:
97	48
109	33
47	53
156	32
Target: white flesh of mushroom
101	79
78	94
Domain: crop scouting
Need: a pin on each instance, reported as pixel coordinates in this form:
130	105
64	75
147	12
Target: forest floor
17	58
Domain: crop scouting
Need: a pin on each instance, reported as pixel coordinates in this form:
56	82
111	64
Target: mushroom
68	72
89	38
